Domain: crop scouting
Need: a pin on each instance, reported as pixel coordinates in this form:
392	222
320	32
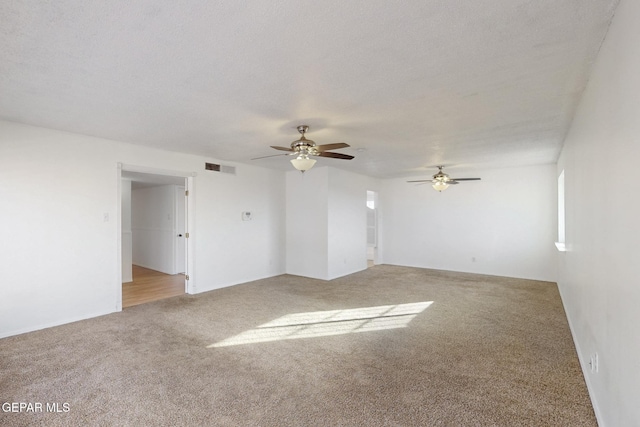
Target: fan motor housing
302	144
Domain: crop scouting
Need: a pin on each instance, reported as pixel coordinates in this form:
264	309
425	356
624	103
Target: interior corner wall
59	256
307	223
503	225
599	273
327	222
347	222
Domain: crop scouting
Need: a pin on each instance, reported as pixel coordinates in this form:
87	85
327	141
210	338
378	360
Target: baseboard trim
584	365
200	290
40	327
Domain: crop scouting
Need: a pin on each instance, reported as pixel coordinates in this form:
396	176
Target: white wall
152	224
326	222
237	251
60	208
347	222
599	275
503	225
307	216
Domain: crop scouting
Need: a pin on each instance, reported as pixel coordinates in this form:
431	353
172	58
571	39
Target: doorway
154	244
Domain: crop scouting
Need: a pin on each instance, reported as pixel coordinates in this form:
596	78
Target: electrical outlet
246	216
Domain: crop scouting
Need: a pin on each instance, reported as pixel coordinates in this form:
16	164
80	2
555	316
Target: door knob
179	235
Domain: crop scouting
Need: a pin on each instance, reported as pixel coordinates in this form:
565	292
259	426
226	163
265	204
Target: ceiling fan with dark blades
441	181
303	148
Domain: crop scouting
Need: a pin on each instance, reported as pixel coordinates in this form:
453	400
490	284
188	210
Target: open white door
180	229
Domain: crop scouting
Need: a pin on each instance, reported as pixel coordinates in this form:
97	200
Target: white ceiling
408	84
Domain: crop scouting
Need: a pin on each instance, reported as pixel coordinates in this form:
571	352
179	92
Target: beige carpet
389	346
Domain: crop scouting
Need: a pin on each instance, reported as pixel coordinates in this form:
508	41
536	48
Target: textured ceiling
408	84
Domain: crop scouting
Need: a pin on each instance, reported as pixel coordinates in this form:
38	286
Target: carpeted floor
389	346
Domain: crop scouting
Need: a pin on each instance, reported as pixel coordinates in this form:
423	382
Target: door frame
190	284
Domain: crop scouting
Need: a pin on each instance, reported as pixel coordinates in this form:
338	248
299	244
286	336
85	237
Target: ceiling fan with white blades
304	148
441	181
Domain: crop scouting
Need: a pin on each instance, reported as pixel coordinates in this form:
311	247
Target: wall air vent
220	168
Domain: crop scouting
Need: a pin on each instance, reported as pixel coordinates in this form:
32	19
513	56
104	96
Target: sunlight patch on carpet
326	323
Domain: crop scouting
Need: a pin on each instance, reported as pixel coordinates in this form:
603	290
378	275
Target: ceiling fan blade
465	179
274	155
282	148
452	182
335	155
327	147
422	180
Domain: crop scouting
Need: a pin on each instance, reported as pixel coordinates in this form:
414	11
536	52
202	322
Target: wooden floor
150	285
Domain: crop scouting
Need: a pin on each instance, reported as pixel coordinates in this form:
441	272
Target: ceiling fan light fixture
441	181
440	185
303	148
303	163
